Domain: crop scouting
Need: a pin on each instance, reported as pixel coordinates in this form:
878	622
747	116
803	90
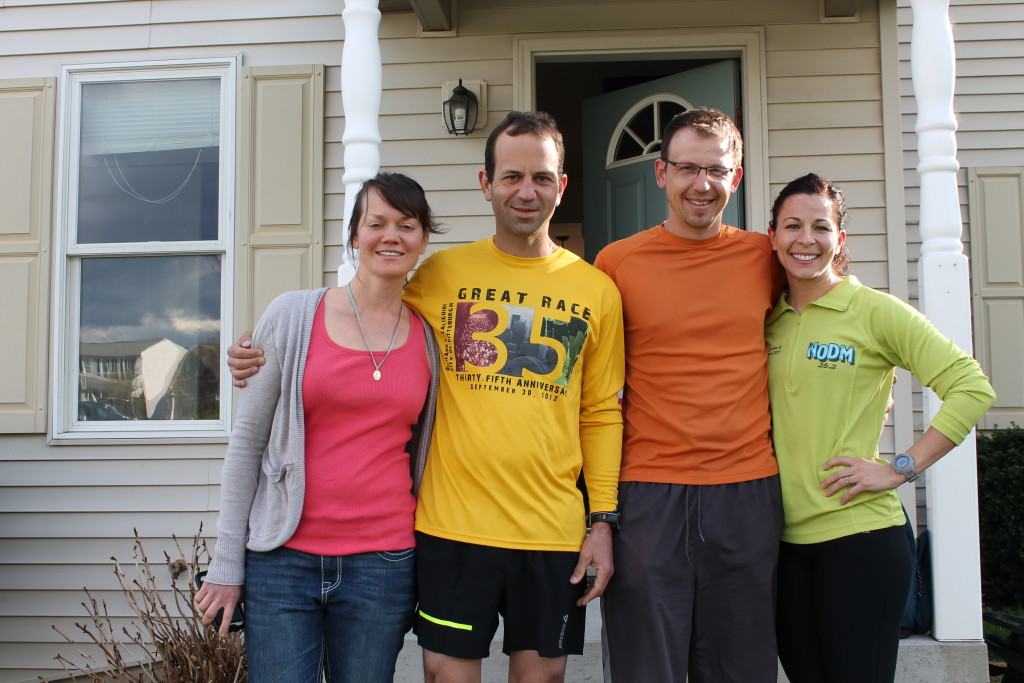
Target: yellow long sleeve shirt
532	363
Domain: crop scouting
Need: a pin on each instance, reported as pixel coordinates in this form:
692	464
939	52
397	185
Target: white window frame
65	425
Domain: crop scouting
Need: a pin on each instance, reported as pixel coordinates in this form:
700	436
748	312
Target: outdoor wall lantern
460	111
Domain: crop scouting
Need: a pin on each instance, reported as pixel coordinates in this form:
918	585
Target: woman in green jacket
844	563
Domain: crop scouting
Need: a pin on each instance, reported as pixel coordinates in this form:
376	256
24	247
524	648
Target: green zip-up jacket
830	373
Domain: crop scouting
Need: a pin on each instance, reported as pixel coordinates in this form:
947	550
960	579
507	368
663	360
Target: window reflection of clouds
151	298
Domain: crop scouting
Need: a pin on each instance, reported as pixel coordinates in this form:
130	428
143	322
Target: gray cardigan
264	475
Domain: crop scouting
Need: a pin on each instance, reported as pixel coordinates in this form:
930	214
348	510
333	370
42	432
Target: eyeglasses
693	170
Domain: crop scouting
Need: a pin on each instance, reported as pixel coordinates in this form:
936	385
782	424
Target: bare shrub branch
162	645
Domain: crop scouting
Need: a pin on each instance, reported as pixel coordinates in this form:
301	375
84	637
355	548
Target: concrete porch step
922	660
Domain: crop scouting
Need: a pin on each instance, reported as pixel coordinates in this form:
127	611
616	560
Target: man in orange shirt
699	496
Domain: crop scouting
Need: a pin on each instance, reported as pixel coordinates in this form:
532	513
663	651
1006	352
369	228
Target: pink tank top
358	494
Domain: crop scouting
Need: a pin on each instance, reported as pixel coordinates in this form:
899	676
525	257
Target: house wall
988	100
64	510
823	99
989	107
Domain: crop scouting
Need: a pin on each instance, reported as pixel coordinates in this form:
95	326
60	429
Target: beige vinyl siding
38	38
64	510
989	104
823	94
414	139
988	100
825	115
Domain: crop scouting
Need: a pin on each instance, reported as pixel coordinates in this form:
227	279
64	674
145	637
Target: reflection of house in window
194	389
148	380
107	375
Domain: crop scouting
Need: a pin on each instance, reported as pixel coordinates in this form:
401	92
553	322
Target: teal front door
622	138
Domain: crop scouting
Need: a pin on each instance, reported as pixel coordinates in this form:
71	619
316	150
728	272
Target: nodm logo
826	351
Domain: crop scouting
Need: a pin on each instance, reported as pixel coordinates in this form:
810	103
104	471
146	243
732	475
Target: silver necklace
359	322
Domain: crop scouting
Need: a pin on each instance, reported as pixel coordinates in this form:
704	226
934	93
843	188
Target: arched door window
637	137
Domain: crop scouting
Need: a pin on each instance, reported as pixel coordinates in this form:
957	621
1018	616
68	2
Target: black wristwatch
611	518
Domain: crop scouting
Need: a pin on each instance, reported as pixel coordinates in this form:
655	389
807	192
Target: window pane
642	124
666	110
150	338
627	148
150	161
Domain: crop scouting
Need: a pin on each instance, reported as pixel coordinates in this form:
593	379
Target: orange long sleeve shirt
695	408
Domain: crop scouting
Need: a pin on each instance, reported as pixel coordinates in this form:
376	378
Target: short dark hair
706	122
519	122
400	192
814	184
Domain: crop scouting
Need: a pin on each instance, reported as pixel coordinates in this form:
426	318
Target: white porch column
361	85
944	284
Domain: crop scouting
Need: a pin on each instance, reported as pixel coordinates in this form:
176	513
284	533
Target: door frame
745	44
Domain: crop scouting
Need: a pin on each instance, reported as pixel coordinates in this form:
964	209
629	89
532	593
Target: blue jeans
343	618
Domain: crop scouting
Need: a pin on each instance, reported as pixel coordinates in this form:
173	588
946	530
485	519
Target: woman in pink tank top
319	484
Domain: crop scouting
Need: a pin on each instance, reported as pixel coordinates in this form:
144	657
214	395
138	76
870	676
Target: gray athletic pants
694	584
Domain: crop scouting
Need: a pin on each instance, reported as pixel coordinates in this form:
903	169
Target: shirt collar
838	299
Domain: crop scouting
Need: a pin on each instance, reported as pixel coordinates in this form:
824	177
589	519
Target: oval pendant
376	375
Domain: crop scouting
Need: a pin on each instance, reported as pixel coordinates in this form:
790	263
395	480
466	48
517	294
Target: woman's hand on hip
858	475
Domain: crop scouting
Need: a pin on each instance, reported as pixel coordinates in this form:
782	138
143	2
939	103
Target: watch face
901	463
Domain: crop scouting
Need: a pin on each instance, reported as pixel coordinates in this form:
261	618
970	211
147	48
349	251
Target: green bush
1001	510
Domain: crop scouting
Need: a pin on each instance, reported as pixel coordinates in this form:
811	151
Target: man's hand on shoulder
243	360
597	553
